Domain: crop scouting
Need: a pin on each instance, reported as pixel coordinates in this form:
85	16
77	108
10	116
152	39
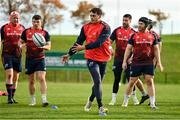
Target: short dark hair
36	17
98	11
127	16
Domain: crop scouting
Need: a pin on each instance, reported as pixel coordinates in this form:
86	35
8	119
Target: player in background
12	53
158	37
97	52
149	28
35	59
121	36
145	48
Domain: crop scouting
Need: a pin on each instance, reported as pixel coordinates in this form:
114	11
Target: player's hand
160	67
129	61
22	45
65	58
124	65
41	47
77	47
112	50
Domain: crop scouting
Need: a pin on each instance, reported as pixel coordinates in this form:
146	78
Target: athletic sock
134	93
44	98
126	98
33	99
114	97
152	100
13	92
9	90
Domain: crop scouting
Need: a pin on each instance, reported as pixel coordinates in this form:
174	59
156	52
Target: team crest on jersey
119	33
137	37
29	36
150	37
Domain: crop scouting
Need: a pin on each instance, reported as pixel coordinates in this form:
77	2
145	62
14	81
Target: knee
32	82
132	82
149	82
41	79
97	83
9	76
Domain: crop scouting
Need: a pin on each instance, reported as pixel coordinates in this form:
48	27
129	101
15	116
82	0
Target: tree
50	11
7	6
22	6
160	16
81	14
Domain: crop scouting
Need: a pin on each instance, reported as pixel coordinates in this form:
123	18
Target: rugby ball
39	40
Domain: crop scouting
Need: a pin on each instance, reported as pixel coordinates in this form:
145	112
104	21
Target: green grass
170	59
71	98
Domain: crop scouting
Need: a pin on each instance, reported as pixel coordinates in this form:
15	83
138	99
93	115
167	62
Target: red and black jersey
32	51
156	35
10	36
143	48
121	37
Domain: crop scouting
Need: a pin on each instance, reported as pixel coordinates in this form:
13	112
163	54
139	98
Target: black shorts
136	71
33	65
12	62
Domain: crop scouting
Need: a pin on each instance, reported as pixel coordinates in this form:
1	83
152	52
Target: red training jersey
121	37
92	32
32	51
10	36
143	45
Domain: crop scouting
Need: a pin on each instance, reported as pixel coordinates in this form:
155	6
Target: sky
115	9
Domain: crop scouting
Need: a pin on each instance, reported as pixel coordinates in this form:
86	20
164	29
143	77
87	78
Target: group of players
137	53
14	37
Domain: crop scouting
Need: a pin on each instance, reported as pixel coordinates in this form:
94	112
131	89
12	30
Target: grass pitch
71	98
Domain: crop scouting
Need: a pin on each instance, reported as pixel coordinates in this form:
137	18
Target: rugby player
121	35
12	53
145	48
35	59
97	52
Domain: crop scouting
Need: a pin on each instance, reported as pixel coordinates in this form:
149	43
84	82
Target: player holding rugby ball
35	57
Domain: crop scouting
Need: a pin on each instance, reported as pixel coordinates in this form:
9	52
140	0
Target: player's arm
160	46
159	40
22	44
112	39
2	35
23	39
113	36
77	46
127	53
0	43
48	42
47	46
157	55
